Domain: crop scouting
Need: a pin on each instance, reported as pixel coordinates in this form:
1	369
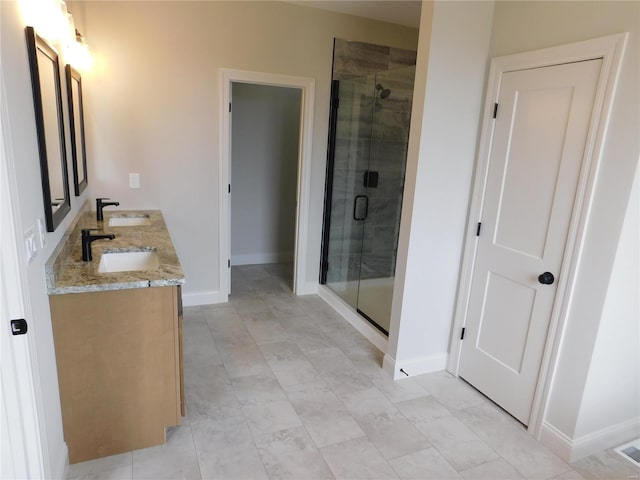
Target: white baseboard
571	450
307	288
347	312
417	366
61	469
203	298
260	258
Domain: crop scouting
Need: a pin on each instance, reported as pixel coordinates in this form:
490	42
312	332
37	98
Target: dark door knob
546	278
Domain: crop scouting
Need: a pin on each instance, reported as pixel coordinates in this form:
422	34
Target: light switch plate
42	232
30	246
134	180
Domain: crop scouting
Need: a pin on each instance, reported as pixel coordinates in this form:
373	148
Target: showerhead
384	92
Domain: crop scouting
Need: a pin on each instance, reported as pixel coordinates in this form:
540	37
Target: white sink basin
139	221
128	261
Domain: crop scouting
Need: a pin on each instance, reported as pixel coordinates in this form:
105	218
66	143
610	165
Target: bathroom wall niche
47	103
76	124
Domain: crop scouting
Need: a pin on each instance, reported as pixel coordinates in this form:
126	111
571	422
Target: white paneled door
21	449
538	145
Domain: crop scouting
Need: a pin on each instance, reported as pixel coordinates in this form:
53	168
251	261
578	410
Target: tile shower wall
357	59
372	134
388	155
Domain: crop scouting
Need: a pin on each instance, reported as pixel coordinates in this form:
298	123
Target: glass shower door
351	142
387	163
368	152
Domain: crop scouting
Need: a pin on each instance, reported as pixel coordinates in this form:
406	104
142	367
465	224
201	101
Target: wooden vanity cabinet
119	359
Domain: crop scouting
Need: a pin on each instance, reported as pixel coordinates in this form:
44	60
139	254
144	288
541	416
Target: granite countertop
66	272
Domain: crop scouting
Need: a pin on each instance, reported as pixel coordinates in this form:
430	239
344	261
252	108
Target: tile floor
280	387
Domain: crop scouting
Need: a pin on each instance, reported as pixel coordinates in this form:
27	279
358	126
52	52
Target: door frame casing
611	50
303	191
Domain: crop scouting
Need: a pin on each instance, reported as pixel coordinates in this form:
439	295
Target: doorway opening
269	222
265	132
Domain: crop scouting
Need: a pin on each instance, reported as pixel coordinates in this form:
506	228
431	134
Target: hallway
279	386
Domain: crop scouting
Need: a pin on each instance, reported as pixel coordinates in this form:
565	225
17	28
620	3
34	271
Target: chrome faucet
100	205
87	238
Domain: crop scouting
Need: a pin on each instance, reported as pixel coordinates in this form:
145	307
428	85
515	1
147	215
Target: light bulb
80	56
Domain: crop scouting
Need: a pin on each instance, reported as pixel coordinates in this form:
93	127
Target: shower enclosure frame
328	187
352	266
328	195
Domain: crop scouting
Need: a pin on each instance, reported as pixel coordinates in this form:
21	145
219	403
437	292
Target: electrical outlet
30	246
134	180
42	232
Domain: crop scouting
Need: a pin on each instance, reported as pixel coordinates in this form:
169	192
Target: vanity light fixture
80	56
46	17
53	22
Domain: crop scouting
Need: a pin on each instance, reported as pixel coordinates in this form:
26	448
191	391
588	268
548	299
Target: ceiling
401	12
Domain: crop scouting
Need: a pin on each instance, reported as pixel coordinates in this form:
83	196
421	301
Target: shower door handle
360	207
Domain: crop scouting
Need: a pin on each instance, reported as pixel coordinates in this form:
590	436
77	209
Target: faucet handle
87	231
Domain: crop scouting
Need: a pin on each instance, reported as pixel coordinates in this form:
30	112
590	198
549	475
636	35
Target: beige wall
153	108
615	364
530	25
521	26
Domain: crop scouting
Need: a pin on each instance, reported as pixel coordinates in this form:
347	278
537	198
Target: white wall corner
204	298
556	441
571	450
389	366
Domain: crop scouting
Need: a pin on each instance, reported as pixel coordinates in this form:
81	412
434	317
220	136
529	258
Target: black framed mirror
76	124
47	103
